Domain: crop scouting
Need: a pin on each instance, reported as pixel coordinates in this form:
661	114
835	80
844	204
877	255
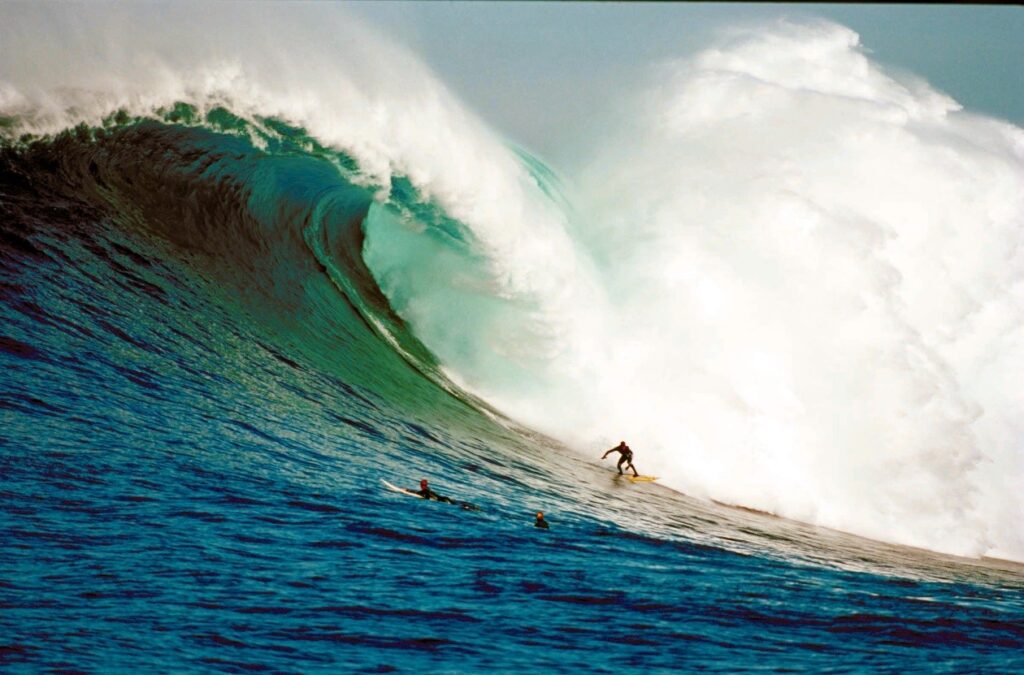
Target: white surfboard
395	488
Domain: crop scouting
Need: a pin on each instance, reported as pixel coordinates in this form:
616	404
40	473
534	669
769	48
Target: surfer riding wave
626	457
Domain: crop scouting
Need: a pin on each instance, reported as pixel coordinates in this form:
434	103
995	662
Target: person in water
626	457
427	493
540	521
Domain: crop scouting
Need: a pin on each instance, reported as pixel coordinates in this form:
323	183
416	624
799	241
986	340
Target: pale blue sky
535	71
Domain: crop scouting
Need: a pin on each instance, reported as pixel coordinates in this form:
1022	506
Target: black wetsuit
541	523
626	457
427	493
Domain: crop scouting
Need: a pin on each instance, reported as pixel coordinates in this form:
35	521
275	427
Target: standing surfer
626	457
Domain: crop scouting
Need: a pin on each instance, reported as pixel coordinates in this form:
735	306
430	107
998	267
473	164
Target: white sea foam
819	270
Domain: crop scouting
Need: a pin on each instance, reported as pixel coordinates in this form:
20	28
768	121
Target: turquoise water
204	387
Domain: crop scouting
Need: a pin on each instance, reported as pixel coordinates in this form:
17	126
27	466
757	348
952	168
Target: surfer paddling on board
427	493
626	457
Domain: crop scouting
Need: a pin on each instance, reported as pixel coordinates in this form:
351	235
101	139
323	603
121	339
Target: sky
536	70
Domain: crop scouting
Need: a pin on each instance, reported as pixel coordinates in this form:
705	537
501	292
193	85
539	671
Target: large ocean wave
790	279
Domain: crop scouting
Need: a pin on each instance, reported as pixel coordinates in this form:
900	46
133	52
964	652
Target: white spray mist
817	283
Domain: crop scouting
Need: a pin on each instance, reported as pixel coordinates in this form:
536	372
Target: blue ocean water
203	389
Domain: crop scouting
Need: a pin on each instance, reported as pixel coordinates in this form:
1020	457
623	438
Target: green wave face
280	223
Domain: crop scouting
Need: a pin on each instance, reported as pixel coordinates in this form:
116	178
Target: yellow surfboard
642	479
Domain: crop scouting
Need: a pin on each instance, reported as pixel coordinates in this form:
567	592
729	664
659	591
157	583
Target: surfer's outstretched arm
621	448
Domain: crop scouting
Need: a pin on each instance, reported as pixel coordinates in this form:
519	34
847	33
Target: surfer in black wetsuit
541	523
427	493
626	457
